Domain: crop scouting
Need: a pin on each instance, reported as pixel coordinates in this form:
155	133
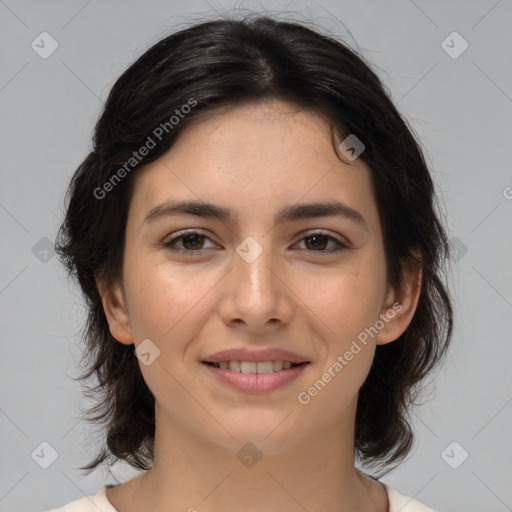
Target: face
307	288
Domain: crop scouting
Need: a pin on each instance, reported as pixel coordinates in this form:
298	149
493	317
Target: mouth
255	367
255	377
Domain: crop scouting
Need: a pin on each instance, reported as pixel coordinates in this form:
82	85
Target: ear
399	306
114	306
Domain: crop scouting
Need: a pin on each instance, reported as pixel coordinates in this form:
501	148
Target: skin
254	159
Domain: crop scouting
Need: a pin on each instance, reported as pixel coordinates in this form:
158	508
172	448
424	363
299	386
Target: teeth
265	367
253	367
234	365
248	367
278	365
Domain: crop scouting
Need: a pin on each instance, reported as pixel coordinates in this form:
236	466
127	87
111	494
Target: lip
256	382
257	356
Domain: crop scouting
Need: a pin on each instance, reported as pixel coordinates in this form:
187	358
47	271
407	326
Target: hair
225	62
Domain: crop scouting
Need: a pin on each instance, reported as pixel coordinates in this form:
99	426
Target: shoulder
400	503
94	503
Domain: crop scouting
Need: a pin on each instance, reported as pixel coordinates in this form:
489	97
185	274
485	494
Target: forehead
255	158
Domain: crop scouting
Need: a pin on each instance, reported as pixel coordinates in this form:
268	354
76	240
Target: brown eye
191	242
317	241
320	241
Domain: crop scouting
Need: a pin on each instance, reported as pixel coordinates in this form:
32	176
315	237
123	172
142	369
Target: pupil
317	237
194	242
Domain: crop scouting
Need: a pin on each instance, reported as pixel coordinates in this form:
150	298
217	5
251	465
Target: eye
192	241
318	241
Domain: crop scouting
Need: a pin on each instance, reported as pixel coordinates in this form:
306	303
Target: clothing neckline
102	494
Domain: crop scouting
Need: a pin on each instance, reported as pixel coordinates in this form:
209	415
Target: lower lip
256	382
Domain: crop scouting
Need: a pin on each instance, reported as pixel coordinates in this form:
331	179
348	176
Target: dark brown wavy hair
223	62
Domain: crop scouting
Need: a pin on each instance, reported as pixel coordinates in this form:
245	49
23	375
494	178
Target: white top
99	503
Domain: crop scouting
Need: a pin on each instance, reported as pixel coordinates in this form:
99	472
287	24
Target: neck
193	475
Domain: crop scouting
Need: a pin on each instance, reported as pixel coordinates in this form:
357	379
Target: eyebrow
286	214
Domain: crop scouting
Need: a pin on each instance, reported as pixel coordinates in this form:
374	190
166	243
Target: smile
255	367
255	377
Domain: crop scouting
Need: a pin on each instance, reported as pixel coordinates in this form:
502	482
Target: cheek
164	301
347	300
169	307
347	307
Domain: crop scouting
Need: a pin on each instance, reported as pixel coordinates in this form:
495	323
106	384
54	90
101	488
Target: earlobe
115	311
399	308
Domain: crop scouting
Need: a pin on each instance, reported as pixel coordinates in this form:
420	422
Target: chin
270	435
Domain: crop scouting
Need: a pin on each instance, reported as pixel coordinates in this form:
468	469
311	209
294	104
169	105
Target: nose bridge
254	268
255	293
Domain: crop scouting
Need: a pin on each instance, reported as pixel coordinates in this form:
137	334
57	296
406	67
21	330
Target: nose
255	293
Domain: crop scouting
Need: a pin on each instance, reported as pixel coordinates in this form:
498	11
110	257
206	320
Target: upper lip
258	356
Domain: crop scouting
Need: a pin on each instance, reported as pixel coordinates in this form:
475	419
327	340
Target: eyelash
169	245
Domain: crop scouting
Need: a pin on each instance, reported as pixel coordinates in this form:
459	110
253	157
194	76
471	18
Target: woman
256	237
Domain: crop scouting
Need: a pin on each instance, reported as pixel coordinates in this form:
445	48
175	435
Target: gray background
460	107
